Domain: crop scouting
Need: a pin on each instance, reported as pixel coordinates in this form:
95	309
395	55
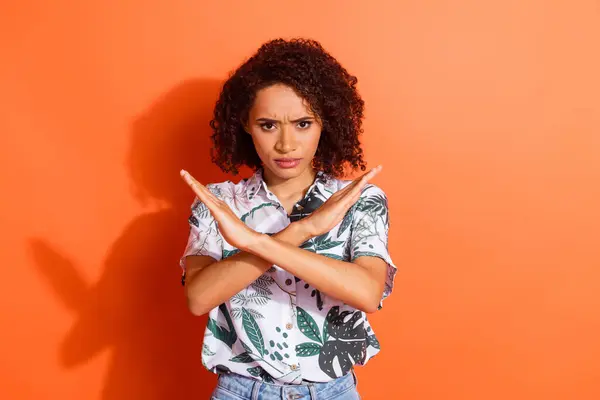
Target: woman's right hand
331	213
234	231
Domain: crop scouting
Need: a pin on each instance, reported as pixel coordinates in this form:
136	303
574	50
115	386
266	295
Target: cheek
262	143
312	139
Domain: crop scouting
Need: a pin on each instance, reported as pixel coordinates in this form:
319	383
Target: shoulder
372	200
372	190
227	189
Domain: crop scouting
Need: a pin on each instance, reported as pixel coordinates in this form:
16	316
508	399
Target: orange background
485	114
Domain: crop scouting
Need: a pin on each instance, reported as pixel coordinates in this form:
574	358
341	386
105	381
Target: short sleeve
204	238
370	227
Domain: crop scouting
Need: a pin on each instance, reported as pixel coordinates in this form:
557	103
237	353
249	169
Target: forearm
219	281
346	281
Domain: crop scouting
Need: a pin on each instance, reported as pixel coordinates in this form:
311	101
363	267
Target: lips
288	162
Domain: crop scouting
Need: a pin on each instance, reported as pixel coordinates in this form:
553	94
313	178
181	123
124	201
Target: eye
267	126
304	124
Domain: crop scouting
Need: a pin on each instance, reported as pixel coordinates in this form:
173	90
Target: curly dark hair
317	77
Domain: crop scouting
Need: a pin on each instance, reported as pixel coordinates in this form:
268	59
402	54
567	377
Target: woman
288	262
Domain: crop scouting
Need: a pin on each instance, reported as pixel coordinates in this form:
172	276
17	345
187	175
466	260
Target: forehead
279	101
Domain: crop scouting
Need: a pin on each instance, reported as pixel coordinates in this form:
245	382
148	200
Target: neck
289	188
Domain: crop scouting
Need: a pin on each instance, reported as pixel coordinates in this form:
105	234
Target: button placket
290	325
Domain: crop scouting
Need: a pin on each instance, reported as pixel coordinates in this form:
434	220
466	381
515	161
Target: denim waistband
250	388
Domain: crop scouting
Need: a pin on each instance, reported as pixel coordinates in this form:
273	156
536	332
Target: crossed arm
209	282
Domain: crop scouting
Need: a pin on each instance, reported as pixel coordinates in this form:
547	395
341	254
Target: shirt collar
323	182
255	184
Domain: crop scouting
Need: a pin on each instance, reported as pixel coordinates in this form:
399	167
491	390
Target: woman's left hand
331	213
233	230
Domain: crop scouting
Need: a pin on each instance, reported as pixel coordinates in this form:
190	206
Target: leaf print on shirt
346	252
244	357
308	245
308	326
373	208
245	299
216	190
228	337
262	283
365	228
346	222
308	349
207	351
337	357
377	205
199	211
229	253
372	340
349	346
321	244
261	295
334	256
310	329
255	335
236	313
324	242
253	331
251	212
248	356
259	372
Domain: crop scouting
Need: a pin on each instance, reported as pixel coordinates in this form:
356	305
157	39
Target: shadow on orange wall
137	308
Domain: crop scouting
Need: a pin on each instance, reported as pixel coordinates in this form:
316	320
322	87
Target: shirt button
288	282
294	367
289	325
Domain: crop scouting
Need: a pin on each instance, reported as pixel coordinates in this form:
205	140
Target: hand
326	217
233	230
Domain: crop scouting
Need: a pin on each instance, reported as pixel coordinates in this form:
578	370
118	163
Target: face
284	131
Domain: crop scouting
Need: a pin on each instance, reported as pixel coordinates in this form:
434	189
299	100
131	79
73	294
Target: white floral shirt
280	328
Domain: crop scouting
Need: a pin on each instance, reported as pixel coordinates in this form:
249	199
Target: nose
286	143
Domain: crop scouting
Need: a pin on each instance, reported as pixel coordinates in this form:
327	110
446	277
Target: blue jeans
236	387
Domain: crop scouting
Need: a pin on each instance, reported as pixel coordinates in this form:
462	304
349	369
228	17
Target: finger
352	184
354	194
349	198
370	175
367	175
359	183
201	191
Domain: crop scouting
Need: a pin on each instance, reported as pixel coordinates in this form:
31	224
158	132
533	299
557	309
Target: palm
331	213
233	230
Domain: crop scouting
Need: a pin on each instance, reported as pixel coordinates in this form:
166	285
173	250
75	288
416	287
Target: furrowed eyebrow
271	121
303	119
